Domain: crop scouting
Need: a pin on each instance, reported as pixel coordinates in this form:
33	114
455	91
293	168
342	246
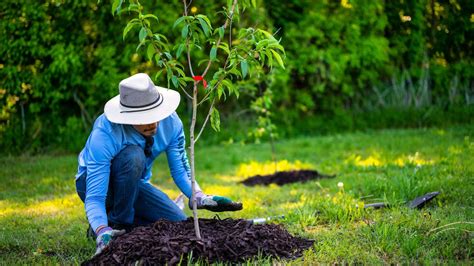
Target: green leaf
206	19
168	55
203	61
231	87
116	6
150	51
215	120
221	32
220	91
278	58
160	36
188	79
139	46
127	28
157	58
142	34
270	57
267	34
174	79
180	71
151	16
262	43
133	7
262	57
180	50
279	47
244	67
204	26
235	72
158	74
182	81
213	53
179	20
184	31
224	46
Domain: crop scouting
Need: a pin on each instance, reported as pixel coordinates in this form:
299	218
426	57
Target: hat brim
115	112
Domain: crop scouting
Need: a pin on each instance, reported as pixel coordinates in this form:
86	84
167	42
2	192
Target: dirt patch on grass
225	240
285	177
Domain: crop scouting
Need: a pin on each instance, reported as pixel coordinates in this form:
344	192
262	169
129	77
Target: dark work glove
215	203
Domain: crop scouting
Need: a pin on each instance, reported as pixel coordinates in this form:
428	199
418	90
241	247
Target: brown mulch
225	240
285	177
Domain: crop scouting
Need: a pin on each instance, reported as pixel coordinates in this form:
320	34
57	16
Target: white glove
104	237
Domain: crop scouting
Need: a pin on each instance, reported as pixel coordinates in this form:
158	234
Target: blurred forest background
350	65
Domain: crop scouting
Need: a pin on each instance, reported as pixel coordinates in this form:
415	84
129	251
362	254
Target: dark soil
286	177
225	240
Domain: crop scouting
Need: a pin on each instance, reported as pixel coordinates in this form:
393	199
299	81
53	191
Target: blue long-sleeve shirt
107	139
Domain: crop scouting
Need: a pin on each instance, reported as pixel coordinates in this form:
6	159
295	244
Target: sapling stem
193	172
193	120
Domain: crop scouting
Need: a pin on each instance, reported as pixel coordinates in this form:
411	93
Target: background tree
347	65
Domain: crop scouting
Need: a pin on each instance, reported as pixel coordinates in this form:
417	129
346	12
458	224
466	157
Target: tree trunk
193	172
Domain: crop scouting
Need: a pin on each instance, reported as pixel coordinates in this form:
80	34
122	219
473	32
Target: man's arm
101	149
181	173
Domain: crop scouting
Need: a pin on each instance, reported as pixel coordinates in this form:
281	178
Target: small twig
205	121
190	2
230	35
217	83
187	94
229	18
188	52
205	98
189	57
82	107
275	33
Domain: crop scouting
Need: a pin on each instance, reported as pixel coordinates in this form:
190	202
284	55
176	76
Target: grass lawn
42	220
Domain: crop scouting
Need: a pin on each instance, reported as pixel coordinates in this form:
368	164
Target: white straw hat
140	102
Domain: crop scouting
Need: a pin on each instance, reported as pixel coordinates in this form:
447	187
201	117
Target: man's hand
215	203
104	236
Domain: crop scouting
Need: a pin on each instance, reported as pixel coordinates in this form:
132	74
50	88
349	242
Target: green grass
42	220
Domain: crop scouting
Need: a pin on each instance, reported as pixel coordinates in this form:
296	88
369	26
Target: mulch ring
225	240
285	177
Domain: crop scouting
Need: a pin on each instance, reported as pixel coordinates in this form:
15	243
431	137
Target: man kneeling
115	165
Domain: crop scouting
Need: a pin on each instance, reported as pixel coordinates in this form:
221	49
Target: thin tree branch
187	94
228	20
193	170
190	2
189	57
82	107
230	35
188	52
217	83
205	121
205	97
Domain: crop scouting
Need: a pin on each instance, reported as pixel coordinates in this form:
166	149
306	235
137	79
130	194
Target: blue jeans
130	200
